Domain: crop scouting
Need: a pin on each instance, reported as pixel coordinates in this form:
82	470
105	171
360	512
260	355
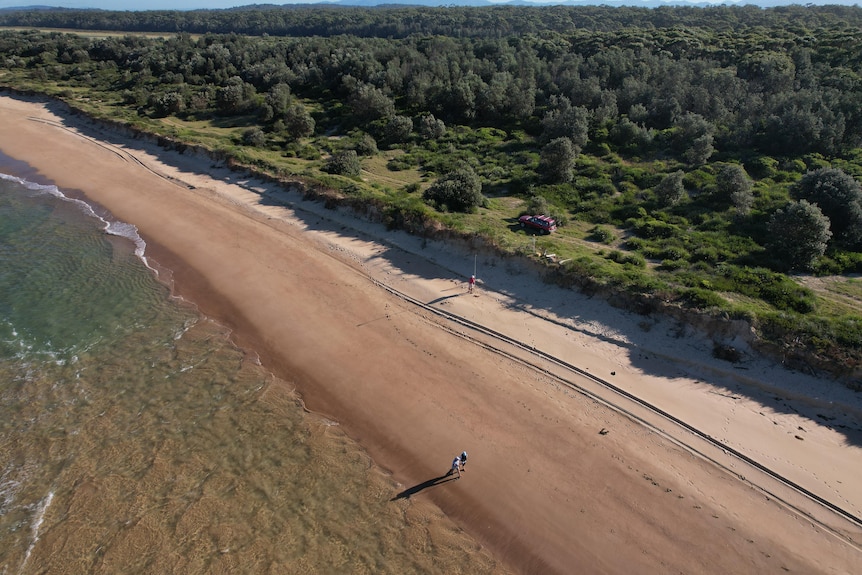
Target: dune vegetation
704	160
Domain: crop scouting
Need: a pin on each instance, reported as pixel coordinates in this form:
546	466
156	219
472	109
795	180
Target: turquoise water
135	438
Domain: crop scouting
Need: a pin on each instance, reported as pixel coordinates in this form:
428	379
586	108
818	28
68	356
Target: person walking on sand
463	459
470	283
456	466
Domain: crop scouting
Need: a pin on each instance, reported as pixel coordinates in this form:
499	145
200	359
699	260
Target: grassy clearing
837	295
376	171
96	34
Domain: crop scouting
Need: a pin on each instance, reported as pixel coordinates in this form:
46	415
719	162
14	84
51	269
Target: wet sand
564	476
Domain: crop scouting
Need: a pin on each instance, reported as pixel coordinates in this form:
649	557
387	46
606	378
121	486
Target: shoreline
500	410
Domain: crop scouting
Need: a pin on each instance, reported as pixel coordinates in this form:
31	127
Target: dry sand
565	476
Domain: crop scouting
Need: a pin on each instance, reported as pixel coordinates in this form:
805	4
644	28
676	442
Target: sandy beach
565	474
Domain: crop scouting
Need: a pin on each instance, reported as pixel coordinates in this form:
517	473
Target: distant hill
111	5
637	3
385	18
15	8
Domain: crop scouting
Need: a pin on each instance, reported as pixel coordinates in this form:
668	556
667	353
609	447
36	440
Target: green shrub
365	145
634	260
254	137
400	163
635	244
642	282
847	330
650	228
628	212
705	254
671	265
309	153
602	234
762	167
702	298
585	267
538	205
774	288
815	162
598	185
788	296
458	191
345	163
673	253
699	179
651	251
848	262
795	165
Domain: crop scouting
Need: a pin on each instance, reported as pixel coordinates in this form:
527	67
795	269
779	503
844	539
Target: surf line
37	524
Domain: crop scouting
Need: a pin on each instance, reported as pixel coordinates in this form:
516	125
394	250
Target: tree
670	190
839	197
521	97
431	128
254	137
234	97
695	136
538	205
365	145
462	96
370	103
734	185
459	191
398	129
700	150
801	121
629	135
565	121
298	121
229	99
799	234
276	102
167	103
557	163
345	163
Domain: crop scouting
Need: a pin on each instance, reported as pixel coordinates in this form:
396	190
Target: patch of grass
376	169
703	298
95	34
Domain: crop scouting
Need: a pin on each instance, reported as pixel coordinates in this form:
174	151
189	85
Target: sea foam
36	526
111	227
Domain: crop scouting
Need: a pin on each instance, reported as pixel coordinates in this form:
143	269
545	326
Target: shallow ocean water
136	438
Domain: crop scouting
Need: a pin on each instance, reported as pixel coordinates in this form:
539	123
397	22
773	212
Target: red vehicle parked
544	224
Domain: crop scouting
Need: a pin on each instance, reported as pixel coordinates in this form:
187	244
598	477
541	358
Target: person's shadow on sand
424	485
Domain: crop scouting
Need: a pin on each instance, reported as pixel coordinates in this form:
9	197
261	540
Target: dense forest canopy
723	143
783	81
458	21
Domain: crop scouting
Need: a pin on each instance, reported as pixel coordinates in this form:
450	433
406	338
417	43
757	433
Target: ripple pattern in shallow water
134	438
